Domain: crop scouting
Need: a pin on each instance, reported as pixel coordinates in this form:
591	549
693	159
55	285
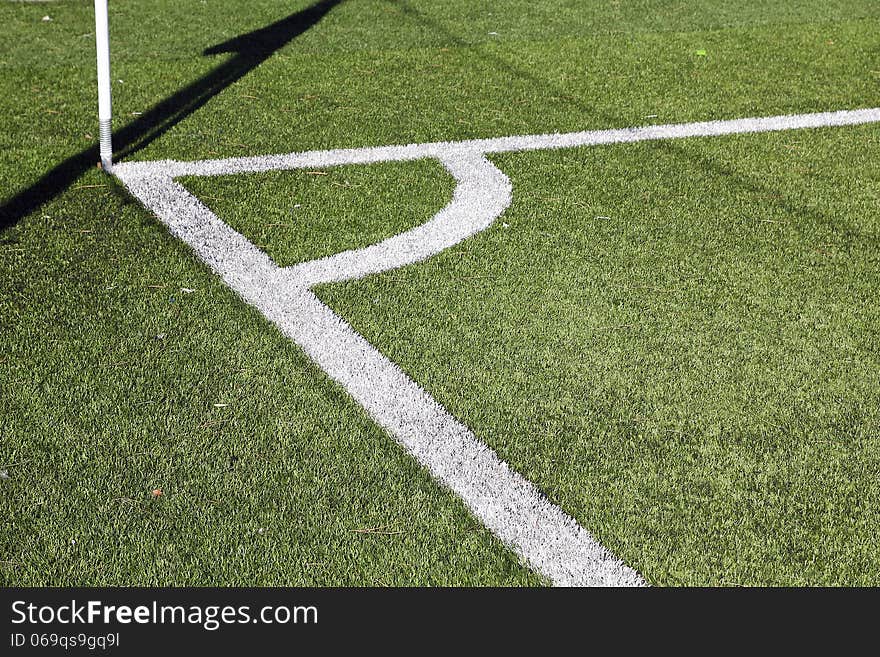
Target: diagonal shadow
249	51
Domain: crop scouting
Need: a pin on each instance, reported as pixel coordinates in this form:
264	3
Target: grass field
677	342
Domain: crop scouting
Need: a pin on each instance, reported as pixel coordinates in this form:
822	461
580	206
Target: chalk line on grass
375	154
550	540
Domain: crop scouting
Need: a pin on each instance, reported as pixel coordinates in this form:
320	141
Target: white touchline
550	540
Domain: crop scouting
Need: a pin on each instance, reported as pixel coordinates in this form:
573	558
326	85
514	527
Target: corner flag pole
105	109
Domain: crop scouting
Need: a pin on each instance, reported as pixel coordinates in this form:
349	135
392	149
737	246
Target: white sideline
376	154
551	541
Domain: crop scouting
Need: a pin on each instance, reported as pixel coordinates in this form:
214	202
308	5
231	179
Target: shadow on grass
249	51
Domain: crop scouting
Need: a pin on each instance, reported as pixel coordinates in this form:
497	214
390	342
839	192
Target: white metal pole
105	105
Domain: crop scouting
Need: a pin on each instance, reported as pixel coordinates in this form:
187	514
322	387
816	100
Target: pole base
106	145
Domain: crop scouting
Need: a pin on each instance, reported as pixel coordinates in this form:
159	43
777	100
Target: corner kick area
513	508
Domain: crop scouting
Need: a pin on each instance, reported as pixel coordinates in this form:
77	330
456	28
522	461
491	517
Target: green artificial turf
675	341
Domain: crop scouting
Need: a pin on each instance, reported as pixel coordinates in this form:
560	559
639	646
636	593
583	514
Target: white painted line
551	541
371	155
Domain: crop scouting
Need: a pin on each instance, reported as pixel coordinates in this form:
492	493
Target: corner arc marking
482	193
